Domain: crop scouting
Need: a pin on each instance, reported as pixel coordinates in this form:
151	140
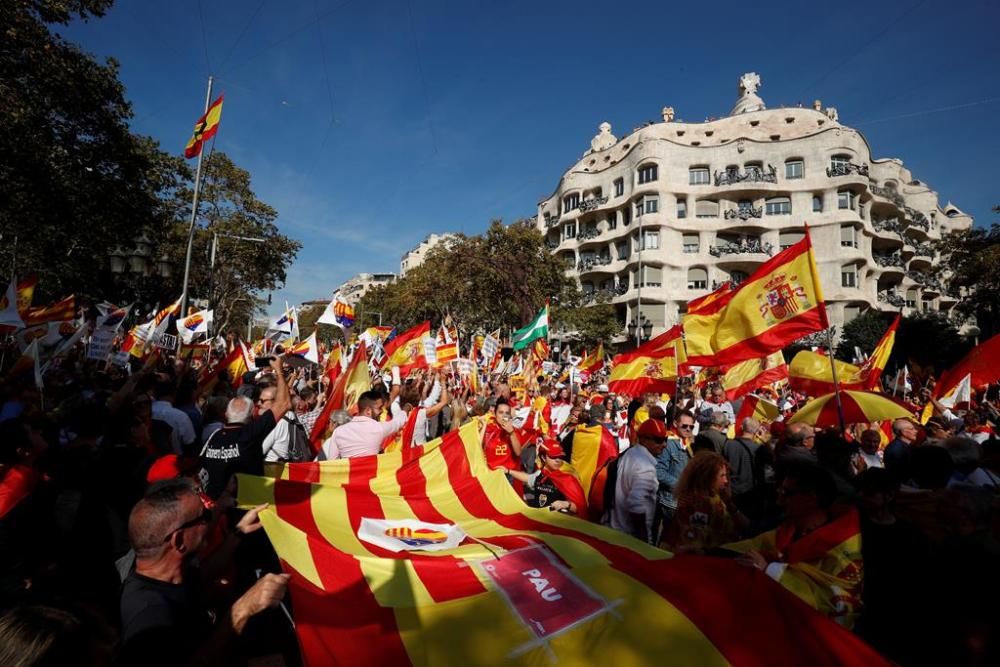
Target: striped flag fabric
60	311
594	361
759	408
810	372
307	349
344	394
746	376
204	129
26	292
781	302
407	349
522	587
535	329
653	366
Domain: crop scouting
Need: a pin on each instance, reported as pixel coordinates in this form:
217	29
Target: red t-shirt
497	448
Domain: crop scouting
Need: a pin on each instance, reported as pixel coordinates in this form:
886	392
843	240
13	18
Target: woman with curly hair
706	517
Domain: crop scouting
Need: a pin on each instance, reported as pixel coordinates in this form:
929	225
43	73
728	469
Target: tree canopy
499	280
971	263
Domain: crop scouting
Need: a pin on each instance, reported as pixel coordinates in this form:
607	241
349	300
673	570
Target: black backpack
610	484
299	447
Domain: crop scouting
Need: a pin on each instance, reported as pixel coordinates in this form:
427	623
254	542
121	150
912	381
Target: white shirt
275	445
725	407
362	436
183	430
872	460
635	490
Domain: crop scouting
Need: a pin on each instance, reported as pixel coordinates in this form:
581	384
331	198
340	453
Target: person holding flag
551	486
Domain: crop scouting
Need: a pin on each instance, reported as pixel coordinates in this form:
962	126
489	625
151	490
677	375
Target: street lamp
640	329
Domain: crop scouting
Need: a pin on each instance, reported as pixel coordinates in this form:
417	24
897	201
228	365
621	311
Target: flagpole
194	214
836	384
638	290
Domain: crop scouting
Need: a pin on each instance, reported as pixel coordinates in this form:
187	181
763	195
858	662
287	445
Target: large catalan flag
653	366
60	311
434	560
781	302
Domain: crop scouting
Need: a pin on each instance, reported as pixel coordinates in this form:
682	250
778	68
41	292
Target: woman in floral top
706	517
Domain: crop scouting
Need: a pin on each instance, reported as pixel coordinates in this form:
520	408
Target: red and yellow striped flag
60	311
344	394
26	292
593	361
407	349
781	302
436	561
742	378
810	372
204	129
653	366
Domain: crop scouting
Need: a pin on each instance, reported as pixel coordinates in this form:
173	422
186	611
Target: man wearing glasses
163	619
669	466
635	488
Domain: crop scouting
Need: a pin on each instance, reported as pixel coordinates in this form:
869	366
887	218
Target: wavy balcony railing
748	175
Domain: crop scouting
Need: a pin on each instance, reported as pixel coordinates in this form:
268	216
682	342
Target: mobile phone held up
262	362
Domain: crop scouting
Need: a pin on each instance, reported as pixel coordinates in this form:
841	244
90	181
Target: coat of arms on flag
410	535
782	297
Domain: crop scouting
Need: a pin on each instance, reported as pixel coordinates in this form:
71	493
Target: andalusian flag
407	349
204	129
435	560
781	302
594	361
537	328
653	366
742	378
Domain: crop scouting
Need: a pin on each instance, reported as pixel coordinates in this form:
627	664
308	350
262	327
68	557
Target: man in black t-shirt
238	446
163	619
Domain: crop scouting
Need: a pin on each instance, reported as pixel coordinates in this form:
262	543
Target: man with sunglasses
635	489
164	621
669	466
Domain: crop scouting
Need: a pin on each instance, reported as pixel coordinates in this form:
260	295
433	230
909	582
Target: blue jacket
669	466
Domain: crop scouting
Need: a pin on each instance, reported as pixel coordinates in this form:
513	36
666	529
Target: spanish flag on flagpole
407	349
653	366
426	557
781	302
810	371
742	378
204	129
593	361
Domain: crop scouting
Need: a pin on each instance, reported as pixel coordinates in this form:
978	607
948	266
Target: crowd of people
121	542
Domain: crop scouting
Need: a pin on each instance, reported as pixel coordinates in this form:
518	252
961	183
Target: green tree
863	332
971	264
589	324
927	343
230	209
497	280
74	181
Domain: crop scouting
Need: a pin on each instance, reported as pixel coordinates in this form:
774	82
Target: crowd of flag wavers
172	496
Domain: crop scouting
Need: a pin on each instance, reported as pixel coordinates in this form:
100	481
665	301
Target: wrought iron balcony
887	193
895	259
890	225
599	296
552	245
918	219
588	263
923	249
588	234
892	299
744	212
620	289
846	169
926	280
751	247
551	221
592	203
749	175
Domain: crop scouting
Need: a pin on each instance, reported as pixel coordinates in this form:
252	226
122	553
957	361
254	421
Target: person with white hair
741	453
238	446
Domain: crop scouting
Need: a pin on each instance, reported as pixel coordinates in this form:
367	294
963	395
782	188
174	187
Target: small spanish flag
204	129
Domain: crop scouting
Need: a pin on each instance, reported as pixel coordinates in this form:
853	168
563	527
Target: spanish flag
60	311
810	372
759	408
594	361
204	129
781	302
407	349
742	378
436	561
704	302
982	363
594	447
653	366
234	364
26	292
344	394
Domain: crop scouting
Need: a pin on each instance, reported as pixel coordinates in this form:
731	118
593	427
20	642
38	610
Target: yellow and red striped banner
594	361
426	557
781	302
742	378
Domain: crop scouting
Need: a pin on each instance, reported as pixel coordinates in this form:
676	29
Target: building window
778	206
851	313
849	276
839	162
738	276
788	239
794	169
848	236
569	231
706	208
626	216
697	278
691	244
911	298
619	187
698	176
570	203
817	203
682	208
652	276
622	249
648	173
613	220
652	204
651	240
847	200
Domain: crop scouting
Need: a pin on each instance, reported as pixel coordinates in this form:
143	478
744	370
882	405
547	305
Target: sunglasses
686	427
261	401
204	517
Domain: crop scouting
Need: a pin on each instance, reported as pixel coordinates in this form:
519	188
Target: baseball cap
652	428
552	449
169	466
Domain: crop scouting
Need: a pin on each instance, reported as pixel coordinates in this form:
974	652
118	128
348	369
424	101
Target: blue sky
369	125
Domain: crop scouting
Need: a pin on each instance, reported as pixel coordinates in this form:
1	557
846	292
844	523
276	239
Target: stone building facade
352	289
414	258
697	204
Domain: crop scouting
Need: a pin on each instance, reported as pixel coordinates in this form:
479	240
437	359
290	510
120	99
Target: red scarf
570	487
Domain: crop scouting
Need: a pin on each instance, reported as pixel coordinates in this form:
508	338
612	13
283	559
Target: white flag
962	393
9	317
194	324
410	535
